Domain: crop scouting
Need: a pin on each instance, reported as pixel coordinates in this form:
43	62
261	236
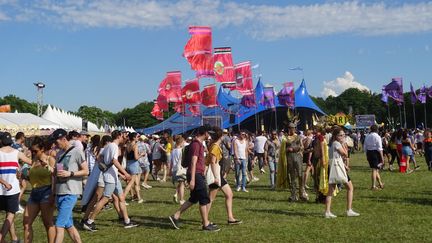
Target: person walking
10	186
112	184
41	196
197	183
271	150
338	152
374	154
213	158
71	167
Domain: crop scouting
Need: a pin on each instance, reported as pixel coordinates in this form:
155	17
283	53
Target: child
178	172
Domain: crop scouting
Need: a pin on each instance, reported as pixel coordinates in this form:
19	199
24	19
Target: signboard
365	120
340	119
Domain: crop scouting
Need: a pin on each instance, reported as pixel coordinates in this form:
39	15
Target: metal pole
414	114
405	124
425	114
276	122
389	118
400	116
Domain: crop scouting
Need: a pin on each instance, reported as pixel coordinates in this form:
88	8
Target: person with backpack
194	154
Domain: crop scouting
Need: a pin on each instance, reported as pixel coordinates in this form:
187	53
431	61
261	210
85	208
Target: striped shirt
8	172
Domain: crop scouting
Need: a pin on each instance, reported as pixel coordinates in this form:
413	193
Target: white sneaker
175	198
351	213
20	209
182	202
329	215
141	201
262	171
146	186
238	189
255	179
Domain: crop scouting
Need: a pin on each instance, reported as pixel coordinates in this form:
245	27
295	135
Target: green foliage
18	104
137	117
96	115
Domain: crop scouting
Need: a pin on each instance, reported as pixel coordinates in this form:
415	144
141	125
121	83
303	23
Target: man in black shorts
197	183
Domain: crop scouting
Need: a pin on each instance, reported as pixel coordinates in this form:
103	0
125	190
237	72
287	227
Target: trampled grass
400	212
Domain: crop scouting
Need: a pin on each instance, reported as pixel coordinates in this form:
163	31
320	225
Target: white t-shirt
335	146
259	144
8	170
241	148
373	142
176	157
110	153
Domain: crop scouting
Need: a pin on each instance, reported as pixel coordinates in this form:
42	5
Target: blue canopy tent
237	116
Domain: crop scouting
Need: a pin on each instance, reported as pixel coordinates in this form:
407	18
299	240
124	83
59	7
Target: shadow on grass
159	222
418	201
284	212
266	199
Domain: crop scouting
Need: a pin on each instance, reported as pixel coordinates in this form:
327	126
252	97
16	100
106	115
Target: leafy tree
19	104
96	115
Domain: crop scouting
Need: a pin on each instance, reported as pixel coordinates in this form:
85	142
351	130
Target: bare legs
350	192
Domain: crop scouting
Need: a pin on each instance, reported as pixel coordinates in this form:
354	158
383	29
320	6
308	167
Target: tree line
351	101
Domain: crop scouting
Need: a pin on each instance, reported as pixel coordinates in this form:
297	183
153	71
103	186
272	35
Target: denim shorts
133	167
145	166
112	188
65	205
39	195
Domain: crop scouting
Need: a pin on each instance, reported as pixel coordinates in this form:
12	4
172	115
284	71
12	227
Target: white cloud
340	84
3	17
267	22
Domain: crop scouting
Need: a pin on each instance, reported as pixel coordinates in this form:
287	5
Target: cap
156	136
57	134
143	137
84	133
224	131
291	125
6	139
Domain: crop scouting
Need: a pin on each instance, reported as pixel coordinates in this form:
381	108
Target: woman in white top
240	158
338	151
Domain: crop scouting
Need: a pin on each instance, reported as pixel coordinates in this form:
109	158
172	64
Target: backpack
186	158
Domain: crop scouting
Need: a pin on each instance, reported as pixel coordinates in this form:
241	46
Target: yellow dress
282	175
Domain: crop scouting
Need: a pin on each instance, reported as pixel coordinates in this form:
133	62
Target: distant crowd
101	171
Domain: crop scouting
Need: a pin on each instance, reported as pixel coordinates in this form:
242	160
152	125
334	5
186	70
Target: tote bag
210	178
338	174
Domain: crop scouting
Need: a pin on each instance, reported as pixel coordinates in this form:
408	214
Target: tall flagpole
400	116
404	116
414	114
388	111
425	114
276	121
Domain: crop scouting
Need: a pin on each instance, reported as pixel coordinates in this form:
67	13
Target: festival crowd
110	170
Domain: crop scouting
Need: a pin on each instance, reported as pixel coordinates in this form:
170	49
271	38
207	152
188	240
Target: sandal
375	188
381	186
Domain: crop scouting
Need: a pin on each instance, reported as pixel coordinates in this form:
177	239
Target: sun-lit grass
400	212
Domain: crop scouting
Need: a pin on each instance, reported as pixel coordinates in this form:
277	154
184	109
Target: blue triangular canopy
303	100
229	105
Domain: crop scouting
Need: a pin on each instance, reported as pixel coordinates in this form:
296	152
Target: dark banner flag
269	98
413	95
286	95
394	90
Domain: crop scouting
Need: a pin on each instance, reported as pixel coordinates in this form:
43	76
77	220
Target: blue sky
113	54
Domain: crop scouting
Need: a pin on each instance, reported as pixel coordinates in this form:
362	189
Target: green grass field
400	212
